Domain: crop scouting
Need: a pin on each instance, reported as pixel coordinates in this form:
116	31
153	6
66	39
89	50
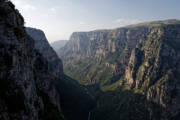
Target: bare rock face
27	91
131	70
32	83
157	70
73	107
142	59
42	45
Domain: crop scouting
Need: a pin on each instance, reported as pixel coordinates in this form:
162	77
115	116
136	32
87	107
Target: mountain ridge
58	44
142	59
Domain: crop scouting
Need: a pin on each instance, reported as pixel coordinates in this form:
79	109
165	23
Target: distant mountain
133	71
58	44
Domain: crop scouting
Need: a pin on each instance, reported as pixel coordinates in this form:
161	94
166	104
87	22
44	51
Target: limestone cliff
75	100
42	45
27	91
139	60
32	83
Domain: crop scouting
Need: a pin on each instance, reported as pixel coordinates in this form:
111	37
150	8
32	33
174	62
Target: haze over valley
89	60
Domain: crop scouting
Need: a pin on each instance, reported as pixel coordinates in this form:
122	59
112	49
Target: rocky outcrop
32	83
158	69
143	59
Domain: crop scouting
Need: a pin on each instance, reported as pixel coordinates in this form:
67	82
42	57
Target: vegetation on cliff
138	62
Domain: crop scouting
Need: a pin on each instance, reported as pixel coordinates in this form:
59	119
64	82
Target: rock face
139	63
32	83
42	45
27	91
58	44
75	100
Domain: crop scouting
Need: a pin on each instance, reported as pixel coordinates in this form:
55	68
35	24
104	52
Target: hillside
133	71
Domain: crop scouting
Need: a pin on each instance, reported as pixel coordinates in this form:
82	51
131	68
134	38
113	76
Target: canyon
127	73
33	85
132	71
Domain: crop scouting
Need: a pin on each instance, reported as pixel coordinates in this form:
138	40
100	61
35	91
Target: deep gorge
127	73
132	71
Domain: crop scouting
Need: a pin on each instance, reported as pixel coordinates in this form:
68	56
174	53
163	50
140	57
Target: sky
60	18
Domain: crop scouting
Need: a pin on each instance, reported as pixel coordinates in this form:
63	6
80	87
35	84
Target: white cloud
82	23
52	10
126	21
23	5
28	7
